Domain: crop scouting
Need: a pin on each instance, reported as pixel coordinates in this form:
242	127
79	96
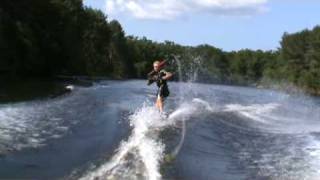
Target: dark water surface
112	131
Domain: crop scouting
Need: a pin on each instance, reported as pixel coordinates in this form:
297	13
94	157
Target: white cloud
171	9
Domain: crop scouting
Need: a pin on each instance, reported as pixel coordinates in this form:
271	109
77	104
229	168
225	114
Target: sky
226	24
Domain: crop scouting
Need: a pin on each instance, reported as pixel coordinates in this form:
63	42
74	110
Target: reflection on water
14	91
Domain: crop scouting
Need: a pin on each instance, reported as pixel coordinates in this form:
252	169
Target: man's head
156	65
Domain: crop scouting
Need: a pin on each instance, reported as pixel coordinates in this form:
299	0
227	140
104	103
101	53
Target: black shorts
163	91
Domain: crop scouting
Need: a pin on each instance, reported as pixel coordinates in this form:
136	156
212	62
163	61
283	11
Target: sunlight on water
272	136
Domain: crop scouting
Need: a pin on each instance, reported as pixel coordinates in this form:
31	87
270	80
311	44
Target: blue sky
226	24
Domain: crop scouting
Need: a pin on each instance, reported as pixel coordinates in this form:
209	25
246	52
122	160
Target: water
112	131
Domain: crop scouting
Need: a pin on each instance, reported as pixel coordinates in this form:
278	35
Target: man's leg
159	103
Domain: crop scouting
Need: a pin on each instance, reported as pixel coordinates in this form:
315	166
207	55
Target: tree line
46	38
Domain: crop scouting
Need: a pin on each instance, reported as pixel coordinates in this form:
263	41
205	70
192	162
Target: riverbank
287	87
37	88
24	89
29	89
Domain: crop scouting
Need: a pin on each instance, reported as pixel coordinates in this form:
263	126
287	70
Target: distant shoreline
39	88
36	88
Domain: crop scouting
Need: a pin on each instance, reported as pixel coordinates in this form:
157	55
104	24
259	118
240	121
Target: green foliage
299	60
63	37
59	37
96	43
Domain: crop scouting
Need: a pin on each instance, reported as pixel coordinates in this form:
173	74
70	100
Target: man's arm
151	79
168	75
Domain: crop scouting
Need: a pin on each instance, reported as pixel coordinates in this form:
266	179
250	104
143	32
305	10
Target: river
111	130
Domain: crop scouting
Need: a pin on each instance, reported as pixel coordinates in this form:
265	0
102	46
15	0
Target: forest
49	38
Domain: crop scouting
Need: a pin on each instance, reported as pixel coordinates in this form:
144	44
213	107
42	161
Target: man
160	76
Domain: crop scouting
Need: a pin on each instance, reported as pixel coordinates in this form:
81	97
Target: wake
141	155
